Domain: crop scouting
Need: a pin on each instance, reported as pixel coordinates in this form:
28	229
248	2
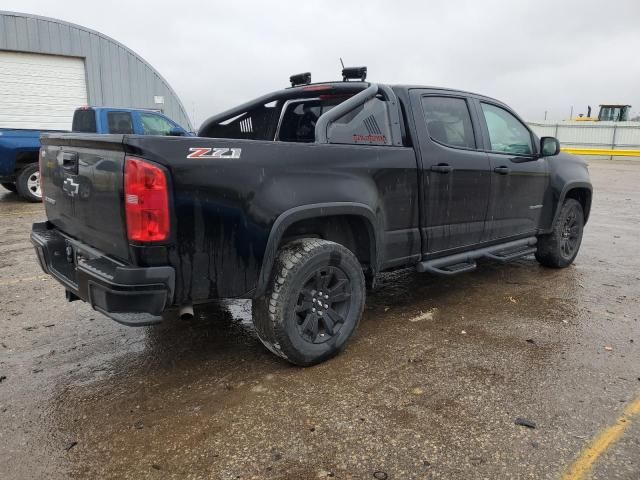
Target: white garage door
40	91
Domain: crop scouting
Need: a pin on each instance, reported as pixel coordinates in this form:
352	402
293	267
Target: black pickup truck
297	200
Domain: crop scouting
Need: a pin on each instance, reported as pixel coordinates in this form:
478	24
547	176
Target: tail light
146	195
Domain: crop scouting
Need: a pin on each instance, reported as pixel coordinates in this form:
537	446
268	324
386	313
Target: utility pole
571	114
545	114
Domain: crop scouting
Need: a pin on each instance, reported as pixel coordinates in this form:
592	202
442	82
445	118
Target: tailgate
83	178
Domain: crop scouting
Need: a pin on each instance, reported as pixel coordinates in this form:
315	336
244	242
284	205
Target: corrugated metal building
49	67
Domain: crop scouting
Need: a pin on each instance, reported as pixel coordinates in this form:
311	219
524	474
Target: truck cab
124	121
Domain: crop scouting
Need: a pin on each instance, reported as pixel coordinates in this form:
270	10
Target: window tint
119	122
506	133
448	121
155	124
84	121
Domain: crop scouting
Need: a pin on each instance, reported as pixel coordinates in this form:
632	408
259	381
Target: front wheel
28	183
559	248
313	303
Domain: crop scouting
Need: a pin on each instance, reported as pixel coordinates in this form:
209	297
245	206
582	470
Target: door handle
502	170
441	168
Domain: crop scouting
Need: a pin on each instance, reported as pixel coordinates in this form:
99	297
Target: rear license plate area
63	262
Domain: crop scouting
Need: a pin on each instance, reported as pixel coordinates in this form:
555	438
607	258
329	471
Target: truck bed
225	200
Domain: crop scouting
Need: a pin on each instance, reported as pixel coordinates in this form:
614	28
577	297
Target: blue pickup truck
19	148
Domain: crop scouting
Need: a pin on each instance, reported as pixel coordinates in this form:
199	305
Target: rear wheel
10	186
313	303
28	183
559	248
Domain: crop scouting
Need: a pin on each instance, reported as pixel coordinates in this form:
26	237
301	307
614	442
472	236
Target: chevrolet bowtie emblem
70	187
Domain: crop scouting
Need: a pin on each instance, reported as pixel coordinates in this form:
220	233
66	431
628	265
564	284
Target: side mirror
176	132
549	146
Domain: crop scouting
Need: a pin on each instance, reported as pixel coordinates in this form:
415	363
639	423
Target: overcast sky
537	55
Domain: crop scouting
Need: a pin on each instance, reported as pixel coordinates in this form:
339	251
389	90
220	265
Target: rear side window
84	121
448	121
506	133
120	122
155	124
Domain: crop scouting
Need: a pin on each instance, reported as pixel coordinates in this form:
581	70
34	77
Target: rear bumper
132	296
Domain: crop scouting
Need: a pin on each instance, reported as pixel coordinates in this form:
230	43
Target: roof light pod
354	73
300	79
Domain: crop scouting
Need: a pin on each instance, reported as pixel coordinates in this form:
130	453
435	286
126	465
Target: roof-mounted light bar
354	73
300	79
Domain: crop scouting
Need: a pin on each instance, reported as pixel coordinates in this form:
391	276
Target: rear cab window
448	121
120	122
84	121
299	118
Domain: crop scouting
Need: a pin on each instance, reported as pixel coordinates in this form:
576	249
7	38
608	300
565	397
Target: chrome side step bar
466	261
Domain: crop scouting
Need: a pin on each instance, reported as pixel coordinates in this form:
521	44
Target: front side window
120	122
448	121
506	133
155	124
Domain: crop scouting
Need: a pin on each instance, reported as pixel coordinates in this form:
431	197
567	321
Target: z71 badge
203	152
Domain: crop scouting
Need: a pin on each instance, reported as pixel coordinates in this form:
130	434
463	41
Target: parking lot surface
430	387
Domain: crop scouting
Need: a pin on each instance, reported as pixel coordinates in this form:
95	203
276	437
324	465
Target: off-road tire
559	248
10	186
300	267
25	185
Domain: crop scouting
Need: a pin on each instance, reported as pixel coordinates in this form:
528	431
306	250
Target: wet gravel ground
429	387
